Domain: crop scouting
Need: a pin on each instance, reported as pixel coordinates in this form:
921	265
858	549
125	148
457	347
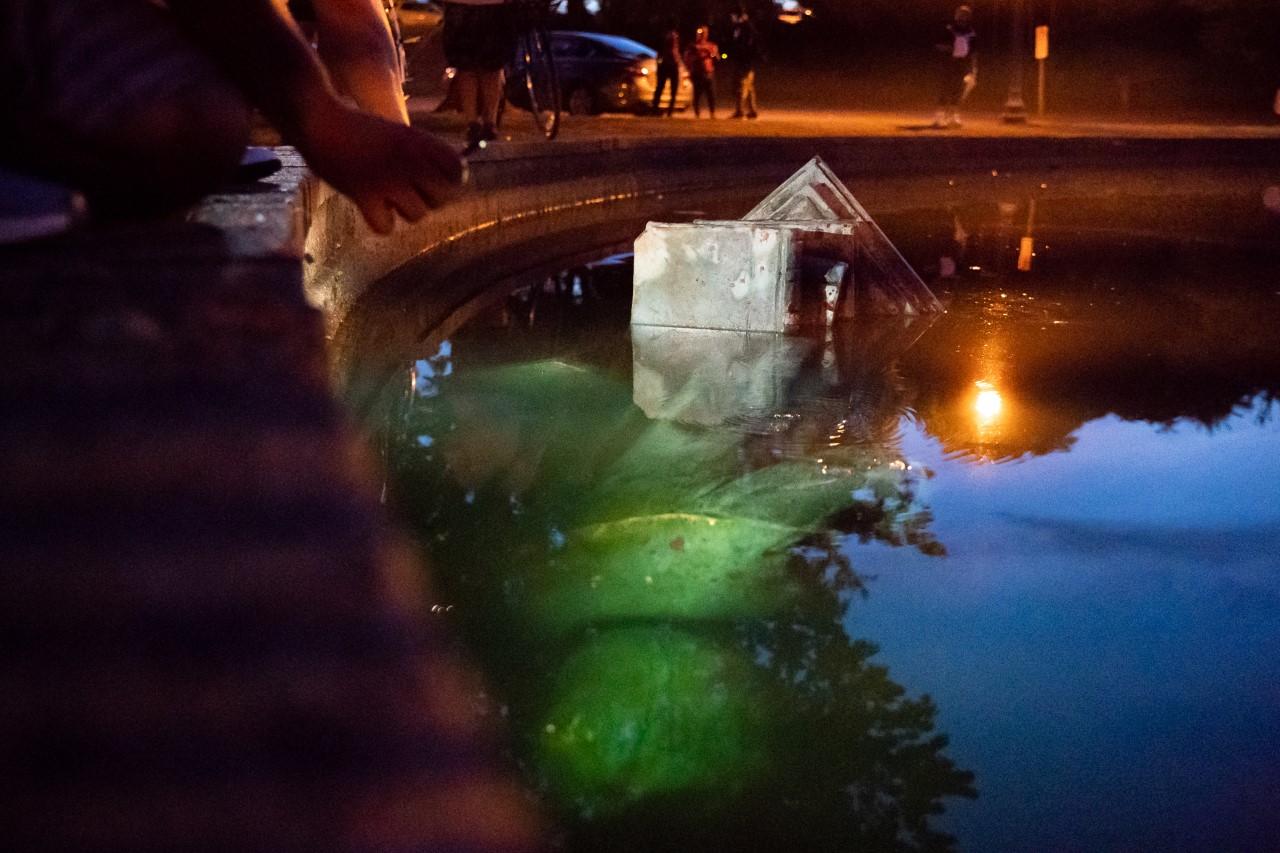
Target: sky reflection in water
1053	510
1103	644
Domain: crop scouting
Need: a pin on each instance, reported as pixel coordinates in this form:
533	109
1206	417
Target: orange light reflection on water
987	405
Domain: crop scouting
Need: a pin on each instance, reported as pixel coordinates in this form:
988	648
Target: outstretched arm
385	167
357	48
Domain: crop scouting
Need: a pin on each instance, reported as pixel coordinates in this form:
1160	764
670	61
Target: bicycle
535	66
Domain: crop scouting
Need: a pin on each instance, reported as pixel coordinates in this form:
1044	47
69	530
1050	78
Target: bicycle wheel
540	80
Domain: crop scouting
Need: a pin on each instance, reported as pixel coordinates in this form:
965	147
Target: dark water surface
746	593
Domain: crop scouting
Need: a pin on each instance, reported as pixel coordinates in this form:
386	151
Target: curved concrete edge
265	219
217	637
344	259
530	181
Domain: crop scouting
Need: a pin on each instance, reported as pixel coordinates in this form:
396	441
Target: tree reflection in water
658	599
1164	324
659	606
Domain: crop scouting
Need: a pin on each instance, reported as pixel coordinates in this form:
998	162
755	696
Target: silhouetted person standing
479	40
743	50
959	59
668	70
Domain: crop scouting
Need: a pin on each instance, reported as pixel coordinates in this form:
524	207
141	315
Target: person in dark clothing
700	59
668	70
959	65
743	50
479	40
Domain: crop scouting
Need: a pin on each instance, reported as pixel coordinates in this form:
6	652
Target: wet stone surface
211	640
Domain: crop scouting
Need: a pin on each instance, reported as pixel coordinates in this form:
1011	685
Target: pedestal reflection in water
659	600
707	377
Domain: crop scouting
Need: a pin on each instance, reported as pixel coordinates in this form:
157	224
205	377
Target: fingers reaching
376	213
408	203
386	168
435	170
443	158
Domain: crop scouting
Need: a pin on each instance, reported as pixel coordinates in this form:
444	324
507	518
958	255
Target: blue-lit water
1104	639
697	572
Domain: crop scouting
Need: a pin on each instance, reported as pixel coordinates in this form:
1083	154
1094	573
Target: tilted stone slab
770	276
813	192
808	254
886	283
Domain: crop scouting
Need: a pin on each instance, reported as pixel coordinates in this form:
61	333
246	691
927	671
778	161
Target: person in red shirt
700	58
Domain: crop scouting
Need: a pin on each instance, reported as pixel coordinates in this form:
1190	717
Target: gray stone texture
712	275
707	377
807	255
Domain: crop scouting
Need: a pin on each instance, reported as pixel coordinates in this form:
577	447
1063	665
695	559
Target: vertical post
1040	90
1026	246
1042	53
1015	110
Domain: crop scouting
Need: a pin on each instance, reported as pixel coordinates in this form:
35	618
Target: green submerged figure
660	605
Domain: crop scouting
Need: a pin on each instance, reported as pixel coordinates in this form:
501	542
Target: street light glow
988	404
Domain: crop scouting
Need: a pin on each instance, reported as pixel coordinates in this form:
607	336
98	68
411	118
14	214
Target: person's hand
384	167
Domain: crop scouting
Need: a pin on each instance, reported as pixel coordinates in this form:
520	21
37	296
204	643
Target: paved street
517	126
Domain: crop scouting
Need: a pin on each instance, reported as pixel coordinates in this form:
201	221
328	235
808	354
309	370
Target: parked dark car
601	72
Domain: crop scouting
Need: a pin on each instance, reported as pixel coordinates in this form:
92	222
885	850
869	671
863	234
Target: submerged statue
805	256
